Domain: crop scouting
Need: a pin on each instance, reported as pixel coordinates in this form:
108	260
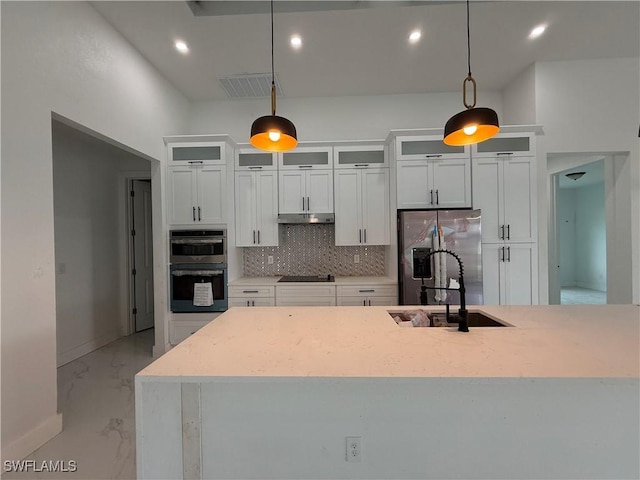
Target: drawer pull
367	291
250	291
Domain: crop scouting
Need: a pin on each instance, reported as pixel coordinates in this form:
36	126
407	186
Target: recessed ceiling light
537	31
415	36
296	41
181	46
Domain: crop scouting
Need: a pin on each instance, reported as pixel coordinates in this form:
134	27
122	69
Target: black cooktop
308	278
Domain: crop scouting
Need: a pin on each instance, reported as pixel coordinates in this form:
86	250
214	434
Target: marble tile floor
582	296
96	398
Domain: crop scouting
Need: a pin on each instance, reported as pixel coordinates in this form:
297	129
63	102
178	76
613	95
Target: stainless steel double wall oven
198	256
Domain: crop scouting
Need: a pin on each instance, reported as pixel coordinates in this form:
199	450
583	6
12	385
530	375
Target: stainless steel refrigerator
422	231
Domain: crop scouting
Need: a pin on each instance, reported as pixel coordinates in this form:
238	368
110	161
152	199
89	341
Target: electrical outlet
354	449
270	260
356	259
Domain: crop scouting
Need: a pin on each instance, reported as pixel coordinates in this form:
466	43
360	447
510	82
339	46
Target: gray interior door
142	241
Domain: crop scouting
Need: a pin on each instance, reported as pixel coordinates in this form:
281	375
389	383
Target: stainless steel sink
438	319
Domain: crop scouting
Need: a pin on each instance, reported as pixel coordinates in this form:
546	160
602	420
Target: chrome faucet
463	325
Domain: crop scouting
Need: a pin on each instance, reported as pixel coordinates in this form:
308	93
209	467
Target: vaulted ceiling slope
365	51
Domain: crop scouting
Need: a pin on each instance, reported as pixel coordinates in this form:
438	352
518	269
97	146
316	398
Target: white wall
592	106
591	238
566	228
87	187
337	118
59	57
519	99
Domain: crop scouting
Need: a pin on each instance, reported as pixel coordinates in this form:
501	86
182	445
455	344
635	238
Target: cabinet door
521	285
245	209
487	196
196	153
519	200
452	182
359	156
414	184
492	273
292	191
267	209
308	158
319	191
348	223
381	301
181	198
375	207
212	187
425	147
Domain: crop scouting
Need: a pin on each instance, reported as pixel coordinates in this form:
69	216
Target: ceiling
365	50
593	174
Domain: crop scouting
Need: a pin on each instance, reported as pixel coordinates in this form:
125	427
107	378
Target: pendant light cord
468	41
273	74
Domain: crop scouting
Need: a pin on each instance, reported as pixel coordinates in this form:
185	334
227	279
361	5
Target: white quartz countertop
268	281
249	344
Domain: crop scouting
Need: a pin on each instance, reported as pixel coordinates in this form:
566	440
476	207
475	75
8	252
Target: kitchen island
274	392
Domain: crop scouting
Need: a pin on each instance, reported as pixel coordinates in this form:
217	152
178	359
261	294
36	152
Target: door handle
364	303
253	303
254	237
369	302
199	219
508	254
255	168
360	235
305	166
303	204
501	234
195	161
194	214
258	237
437	198
365	235
433	156
508	232
431	197
360	165
247	303
308	205
501	254
504	153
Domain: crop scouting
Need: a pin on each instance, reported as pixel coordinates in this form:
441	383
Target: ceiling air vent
249	85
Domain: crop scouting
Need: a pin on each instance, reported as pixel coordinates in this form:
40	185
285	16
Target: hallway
96	398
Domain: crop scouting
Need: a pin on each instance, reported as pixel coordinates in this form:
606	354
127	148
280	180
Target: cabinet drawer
251	292
181	330
367	290
306	301
367	301
305	291
251	302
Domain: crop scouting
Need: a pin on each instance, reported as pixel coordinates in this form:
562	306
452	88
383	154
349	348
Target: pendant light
473	125
271	132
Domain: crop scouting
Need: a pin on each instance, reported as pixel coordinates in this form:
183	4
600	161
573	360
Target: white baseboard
590	286
158	352
32	440
90	346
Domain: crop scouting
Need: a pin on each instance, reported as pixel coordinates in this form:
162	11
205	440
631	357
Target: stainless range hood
306	218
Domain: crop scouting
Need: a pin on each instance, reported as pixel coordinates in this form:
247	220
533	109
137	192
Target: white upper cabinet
196	183
196	194
197	153
306	181
438	183
362	206
360	156
256	208
249	158
506	145
504	189
426	147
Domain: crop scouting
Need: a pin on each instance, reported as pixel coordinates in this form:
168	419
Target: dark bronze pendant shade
271	132
473	125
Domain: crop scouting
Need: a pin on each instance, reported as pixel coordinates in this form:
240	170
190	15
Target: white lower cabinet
316	295
183	329
367	295
510	273
251	296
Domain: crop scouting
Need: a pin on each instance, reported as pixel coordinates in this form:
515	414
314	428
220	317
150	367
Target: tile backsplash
311	250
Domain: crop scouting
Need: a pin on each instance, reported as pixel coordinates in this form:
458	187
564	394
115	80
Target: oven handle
184	241
200	273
